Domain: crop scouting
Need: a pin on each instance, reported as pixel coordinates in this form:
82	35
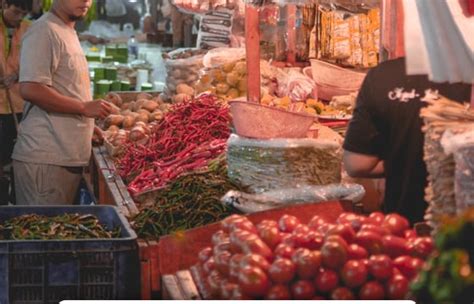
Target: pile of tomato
371	257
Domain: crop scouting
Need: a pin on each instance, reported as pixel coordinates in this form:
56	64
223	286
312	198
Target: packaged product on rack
263	165
182	66
215	29
251	203
462	147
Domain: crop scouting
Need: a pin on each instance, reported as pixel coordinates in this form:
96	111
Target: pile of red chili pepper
188	137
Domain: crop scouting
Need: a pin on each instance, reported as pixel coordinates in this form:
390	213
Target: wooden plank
291	32
145	280
188	286
252	42
172	288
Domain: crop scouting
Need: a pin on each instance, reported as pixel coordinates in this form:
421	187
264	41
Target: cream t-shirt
51	54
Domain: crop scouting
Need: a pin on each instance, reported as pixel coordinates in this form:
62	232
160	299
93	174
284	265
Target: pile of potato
310	106
228	81
132	120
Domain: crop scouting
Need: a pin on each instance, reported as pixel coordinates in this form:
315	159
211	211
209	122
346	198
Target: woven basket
331	75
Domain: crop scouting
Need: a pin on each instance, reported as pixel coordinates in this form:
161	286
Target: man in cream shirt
54	140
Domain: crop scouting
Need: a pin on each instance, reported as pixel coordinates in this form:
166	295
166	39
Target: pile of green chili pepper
190	201
61	227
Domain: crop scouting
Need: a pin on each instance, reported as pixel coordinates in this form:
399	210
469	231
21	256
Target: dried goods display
187	138
440	116
347	38
190	201
371	257
264	165
61	227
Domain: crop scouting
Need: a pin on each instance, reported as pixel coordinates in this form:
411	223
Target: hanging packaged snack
215	29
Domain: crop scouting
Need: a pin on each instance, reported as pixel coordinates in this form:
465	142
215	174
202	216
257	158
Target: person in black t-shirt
384	138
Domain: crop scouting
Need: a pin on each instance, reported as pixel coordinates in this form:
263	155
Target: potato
113	128
114	109
143	117
114	98
241	68
144	96
156	116
131	106
222	88
113	120
233	93
243	85
126	112
124	106
228	67
192	78
206	79
137	133
218	75
138	104
150	105
233	79
176	73
179	98
143	111
184	89
165	107
128	122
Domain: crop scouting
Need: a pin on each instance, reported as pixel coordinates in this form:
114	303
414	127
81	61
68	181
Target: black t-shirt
387	124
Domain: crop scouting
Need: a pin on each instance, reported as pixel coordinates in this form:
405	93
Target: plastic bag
297	86
263	165
220	56
462	147
182	66
250	203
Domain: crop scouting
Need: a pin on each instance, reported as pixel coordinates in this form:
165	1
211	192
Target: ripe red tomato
397	287
342	293
239	295
354	220
219	237
396	223
234	266
227	289
315	240
221	247
408	266
381	266
222	260
282	271
243	224
254	260
267	223
422	247
204	255
238	237
270	235
225	223
356	252
288	223
370	240
209	265
214	280
307	262
394	246
333	254
326	280
257	246
376	218
354	273
301	228
375	228
284	251
278	292
409	234
315	222
372	290
343	230
302	290
300	239
338	239
253	281
324	228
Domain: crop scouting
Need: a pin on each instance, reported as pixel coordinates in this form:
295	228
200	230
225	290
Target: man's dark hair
26	5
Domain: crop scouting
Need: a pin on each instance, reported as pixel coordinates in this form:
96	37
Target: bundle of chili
189	136
190	201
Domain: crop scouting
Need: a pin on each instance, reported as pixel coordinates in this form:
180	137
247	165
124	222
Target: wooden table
108	187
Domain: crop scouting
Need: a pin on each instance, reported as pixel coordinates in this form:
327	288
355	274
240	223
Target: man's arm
50	100
363	166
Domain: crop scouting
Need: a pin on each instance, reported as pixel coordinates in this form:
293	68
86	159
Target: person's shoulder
392	66
44	26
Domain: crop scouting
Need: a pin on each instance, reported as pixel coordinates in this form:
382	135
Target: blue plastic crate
55	270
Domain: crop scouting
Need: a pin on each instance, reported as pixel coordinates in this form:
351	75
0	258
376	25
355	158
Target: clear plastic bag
263	165
250	203
462	147
219	56
182	66
296	85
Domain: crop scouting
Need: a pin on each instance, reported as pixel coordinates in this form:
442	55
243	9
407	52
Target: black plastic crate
52	271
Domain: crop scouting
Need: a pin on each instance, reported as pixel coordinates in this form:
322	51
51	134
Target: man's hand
97	109
9	81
